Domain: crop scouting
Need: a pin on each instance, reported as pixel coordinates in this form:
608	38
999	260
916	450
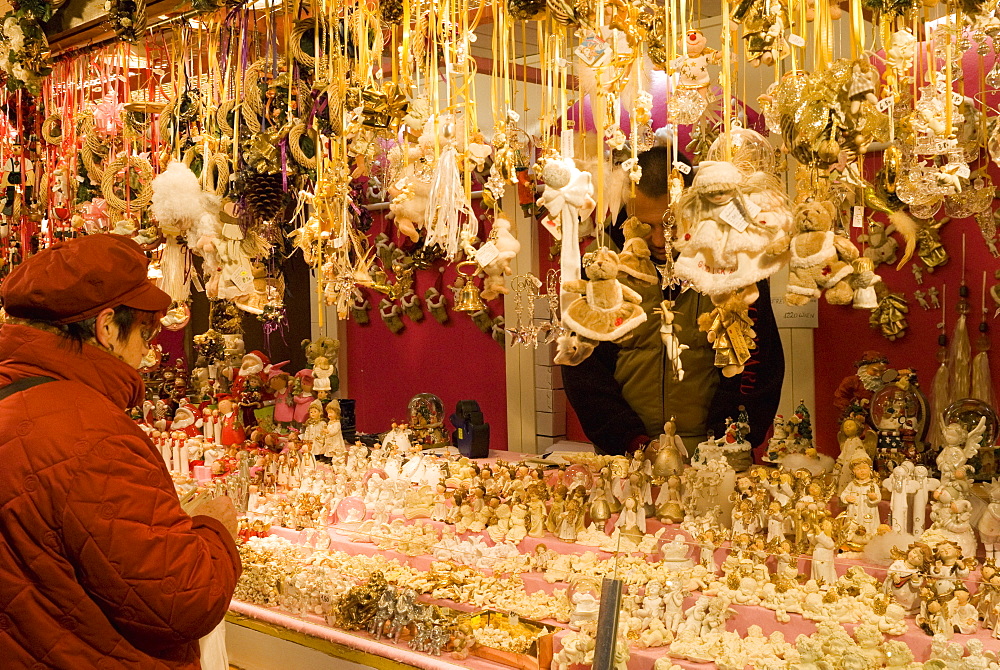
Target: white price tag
486	254
958	97
338	242
683	168
243	280
858	216
796	40
734	217
884	104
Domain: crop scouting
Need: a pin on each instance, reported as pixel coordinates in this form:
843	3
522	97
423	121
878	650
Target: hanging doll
605	309
730	230
506	248
731	234
635	255
690	97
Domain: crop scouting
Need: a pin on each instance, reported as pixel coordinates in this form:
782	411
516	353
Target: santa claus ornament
732	231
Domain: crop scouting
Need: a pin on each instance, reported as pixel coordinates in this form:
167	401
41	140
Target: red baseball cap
76	279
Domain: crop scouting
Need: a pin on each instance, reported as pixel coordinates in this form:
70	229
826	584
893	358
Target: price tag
243	280
858	217
796	40
734	217
958	97
486	254
884	104
683	168
338	242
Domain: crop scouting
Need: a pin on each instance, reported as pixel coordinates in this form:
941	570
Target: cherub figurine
906	574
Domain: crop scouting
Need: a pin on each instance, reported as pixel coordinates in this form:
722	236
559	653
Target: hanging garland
24	49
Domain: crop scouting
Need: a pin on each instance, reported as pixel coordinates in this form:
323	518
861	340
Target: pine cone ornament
264	195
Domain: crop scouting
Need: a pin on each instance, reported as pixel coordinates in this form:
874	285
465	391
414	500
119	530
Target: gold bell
468	299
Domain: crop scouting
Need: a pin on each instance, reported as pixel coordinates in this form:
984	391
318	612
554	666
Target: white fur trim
838	276
802	290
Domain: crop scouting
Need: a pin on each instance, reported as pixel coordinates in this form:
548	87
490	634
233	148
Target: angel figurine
632	520
899	486
862	496
960	445
905	575
668	333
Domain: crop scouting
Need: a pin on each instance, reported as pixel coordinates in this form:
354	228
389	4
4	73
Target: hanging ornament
960	354
939	387
982	382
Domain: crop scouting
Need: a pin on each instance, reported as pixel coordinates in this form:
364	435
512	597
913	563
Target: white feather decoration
176	203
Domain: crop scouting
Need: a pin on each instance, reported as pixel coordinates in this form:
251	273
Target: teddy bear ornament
604	309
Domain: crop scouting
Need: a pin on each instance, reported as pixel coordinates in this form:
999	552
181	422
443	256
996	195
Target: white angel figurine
959	446
632	520
898	484
921	485
862	496
823	554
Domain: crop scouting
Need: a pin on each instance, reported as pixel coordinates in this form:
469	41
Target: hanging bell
468	299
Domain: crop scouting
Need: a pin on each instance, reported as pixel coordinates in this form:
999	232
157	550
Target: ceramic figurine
898	484
333	438
669	507
989	523
960	445
921	485
948	568
905	576
823	554
862	497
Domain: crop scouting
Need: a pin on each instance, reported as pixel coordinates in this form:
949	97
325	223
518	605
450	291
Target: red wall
455	361
844	335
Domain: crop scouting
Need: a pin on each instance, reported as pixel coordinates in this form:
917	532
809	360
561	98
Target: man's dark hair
656	164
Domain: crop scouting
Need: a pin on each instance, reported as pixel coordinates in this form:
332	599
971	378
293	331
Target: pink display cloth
642	659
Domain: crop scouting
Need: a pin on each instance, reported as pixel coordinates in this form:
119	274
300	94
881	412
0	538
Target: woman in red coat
99	566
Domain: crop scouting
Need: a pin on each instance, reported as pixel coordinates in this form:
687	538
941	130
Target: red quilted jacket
99	566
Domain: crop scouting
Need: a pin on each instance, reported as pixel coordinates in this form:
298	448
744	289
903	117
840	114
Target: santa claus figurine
187	419
248	386
855	391
229	428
